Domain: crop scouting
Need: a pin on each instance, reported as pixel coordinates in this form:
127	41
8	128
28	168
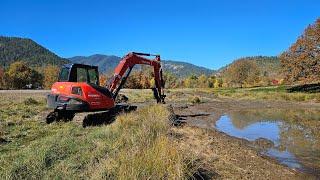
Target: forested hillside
21	49
252	71
267	65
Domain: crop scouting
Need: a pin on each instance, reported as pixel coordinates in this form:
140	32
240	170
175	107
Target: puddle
290	136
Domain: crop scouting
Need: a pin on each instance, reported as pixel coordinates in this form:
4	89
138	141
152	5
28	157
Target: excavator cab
79	73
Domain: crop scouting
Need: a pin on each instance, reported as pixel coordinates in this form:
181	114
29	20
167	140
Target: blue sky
206	33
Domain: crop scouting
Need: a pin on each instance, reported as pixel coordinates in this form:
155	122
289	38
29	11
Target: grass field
137	145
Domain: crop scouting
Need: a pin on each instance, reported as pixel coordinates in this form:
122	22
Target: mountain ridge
24	49
178	68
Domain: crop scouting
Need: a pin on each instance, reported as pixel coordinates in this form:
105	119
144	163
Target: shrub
30	101
195	100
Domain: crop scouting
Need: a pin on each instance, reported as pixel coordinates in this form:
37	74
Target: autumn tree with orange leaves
50	76
242	73
301	62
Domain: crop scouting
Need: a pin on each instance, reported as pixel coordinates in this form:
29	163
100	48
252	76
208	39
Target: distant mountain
268	65
21	49
104	62
107	64
183	69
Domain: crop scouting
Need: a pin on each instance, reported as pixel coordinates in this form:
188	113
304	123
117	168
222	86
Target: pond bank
237	157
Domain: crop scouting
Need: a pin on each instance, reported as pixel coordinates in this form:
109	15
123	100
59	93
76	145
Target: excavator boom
123	70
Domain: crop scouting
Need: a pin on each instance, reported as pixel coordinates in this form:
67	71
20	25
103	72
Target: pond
290	136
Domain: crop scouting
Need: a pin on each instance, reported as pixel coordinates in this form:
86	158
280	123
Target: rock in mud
183	106
263	143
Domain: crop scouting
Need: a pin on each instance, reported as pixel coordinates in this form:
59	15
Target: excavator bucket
157	96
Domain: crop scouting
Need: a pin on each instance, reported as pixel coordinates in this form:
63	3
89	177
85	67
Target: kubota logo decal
93	95
95	103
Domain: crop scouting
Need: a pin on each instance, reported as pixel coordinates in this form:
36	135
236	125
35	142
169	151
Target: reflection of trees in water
301	142
242	119
299	130
304	117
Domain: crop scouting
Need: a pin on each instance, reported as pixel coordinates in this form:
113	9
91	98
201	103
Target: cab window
93	76
64	74
81	75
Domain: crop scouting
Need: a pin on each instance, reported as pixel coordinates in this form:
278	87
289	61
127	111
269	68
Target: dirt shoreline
227	157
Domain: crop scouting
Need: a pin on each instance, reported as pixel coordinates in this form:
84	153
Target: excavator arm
123	70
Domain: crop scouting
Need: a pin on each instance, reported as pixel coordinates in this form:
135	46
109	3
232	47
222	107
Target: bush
30	101
195	100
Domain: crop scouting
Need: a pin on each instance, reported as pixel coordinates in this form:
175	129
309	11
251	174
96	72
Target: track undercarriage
93	118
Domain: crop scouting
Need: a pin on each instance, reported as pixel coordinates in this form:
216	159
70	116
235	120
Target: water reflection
252	131
290	136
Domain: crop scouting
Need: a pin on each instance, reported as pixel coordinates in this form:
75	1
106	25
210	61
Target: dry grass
143	148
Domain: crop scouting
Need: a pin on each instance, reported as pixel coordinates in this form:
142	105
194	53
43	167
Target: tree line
20	76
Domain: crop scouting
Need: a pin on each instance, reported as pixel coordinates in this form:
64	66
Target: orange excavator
78	89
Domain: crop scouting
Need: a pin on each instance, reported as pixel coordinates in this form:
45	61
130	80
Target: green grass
271	93
138	95
136	146
260	93
268	89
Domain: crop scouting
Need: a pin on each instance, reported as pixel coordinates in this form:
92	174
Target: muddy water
290	136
